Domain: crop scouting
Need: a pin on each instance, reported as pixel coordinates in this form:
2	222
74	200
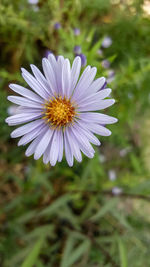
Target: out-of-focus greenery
65	216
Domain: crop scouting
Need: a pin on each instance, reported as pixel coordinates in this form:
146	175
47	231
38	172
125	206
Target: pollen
59	112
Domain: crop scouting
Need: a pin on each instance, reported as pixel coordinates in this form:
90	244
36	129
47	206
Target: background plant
96	213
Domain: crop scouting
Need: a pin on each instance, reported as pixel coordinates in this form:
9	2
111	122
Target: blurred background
98	212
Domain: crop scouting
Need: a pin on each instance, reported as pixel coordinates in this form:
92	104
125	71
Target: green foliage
61	216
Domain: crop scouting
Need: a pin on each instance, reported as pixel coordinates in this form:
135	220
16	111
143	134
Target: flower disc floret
59	111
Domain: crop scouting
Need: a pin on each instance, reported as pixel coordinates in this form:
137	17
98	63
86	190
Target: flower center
59	111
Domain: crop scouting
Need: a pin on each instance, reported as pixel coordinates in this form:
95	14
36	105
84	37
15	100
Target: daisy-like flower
60	111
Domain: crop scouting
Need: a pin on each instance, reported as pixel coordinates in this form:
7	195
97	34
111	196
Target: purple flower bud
57	26
47	53
76	31
83	60
99	52
111	76
105	64
107	41
77	49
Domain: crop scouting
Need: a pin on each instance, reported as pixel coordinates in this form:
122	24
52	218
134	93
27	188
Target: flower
57	26
33	2
117	191
111	76
107	42
59	112
105	64
12	110
77	49
112	175
47	53
76	31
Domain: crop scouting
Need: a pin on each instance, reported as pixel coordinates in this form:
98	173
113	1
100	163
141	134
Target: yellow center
59	111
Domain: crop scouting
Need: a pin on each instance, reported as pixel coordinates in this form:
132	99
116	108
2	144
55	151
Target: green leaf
106	208
33	255
122	252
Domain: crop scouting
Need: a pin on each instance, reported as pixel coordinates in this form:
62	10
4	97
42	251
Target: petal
22	101
54	150
82	128
84	82
44	142
60	63
97	117
68	151
97	105
61	148
31	135
46	153
41	79
97	85
94	97
26	128
22	118
75	71
82	139
98	129
74	145
66	78
25	92
89	154
50	74
34	84
31	148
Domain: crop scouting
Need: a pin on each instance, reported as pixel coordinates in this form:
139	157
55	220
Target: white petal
84	82
34	84
84	129
98	129
74	145
41	147
94	97
22	118
61	145
86	151
26	128
68	151
22	101
31	135
31	148
75	71
41	79
25	92
97	117
97	105
54	150
50	75
66	78
97	85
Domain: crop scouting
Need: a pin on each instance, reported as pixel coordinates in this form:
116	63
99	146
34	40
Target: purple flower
57	26
107	41
77	49
76	31
117	191
83	60
111	76
105	64
33	2
112	175
59	112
